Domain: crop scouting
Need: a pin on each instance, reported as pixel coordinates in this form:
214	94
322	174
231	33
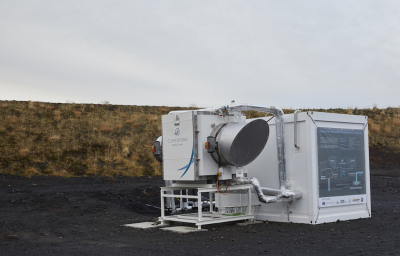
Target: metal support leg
181	202
241	205
199	208
249	203
211	196
162	207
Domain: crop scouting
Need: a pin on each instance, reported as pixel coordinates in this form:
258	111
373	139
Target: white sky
300	54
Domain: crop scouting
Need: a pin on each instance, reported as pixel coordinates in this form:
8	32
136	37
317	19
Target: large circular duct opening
238	144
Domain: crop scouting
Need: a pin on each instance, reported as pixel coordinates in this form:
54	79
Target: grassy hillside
94	139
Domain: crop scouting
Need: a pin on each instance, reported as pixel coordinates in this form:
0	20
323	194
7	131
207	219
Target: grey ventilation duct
238	144
280	134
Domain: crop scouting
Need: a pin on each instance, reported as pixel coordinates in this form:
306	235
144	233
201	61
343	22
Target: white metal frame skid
204	218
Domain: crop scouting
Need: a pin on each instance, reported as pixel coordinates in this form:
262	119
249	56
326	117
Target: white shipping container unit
304	172
314	169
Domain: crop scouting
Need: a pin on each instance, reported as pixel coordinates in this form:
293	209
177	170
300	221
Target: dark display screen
341	162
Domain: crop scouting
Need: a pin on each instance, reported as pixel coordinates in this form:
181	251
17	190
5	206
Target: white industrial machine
306	167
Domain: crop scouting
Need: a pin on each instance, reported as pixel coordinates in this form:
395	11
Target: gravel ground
83	216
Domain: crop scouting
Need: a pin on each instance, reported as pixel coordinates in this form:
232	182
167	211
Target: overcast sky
299	54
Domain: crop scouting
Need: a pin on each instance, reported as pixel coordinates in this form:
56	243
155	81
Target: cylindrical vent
240	143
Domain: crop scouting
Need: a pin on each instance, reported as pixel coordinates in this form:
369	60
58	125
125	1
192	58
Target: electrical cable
219	191
218	188
227	187
224	119
219	159
270	119
216	146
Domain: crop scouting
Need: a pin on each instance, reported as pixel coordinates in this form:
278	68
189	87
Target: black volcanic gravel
84	216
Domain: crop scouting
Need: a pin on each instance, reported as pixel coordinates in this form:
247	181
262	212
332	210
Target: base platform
205	218
182	229
145	225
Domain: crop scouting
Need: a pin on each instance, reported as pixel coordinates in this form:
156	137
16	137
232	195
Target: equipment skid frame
204	218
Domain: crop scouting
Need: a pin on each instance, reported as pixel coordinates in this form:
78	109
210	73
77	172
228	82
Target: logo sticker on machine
341	200
176	142
186	167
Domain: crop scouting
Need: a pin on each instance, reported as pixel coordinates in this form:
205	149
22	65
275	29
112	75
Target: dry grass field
71	139
78	139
